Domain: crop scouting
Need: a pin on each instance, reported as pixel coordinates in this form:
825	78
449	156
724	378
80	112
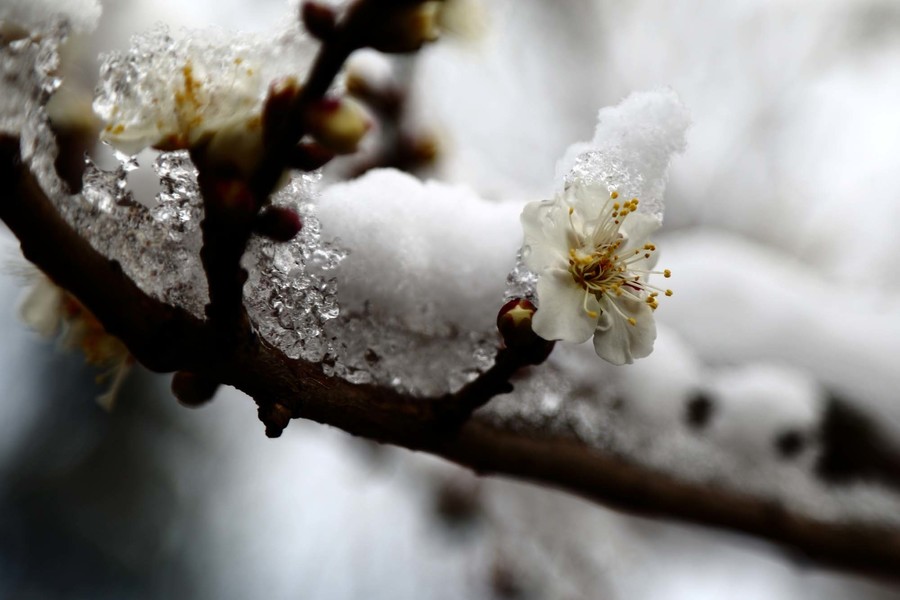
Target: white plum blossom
174	92
593	258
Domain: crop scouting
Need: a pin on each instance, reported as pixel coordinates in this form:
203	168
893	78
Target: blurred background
789	183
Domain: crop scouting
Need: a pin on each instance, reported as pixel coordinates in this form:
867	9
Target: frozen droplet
521	282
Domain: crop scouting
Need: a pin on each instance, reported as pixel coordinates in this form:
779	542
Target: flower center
596	271
599	269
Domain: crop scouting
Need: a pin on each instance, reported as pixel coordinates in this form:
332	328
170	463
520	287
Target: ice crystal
521	281
161	255
178	204
29	63
27	67
291	291
386	352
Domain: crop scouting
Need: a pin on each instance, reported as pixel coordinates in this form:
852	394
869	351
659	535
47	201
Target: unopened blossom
591	251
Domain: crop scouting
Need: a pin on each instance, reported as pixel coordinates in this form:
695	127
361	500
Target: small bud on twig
278	223
318	19
192	389
275	417
514	323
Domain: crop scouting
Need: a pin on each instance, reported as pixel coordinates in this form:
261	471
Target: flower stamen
600	270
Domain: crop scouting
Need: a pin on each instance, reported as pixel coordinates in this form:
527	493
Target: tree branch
165	338
168	339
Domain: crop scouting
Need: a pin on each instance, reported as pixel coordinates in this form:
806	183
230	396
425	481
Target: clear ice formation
291	292
521	282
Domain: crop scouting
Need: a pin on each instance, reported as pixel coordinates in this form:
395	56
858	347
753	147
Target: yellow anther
668	292
616	205
571	210
592	314
667	273
614	194
632	321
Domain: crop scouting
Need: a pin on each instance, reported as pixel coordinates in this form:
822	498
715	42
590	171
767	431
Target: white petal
589	199
637	229
561	312
547	232
42	307
619	342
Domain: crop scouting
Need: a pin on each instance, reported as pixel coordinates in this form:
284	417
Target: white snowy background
780	220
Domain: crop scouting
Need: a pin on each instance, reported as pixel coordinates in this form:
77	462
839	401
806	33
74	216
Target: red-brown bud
278	223
514	324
